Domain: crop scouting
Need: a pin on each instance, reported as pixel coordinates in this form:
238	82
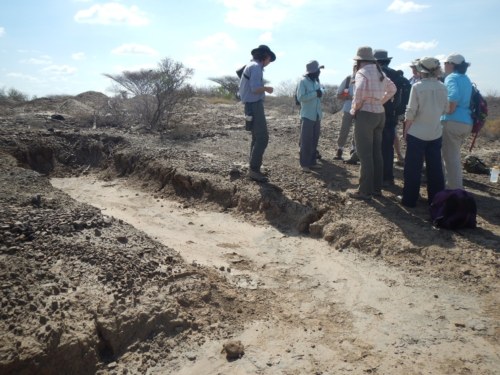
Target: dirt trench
150	302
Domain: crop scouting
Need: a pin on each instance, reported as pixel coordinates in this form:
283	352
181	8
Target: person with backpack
457	122
309	94
252	93
371	91
345	92
393	108
423	133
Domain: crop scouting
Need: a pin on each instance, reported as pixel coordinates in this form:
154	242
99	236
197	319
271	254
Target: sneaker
357	195
257	176
339	155
306	169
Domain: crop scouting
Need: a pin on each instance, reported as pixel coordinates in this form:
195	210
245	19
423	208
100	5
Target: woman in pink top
372	89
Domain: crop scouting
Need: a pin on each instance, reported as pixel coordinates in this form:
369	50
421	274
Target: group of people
437	120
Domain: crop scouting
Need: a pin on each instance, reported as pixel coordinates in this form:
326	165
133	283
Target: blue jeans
416	151
260	135
388	135
309	138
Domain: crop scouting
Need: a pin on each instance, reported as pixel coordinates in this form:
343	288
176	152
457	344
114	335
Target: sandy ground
334	312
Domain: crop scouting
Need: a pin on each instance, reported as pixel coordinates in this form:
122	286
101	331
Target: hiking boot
339	155
257	176
357	195
353	159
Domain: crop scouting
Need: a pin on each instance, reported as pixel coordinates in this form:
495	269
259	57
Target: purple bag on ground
453	209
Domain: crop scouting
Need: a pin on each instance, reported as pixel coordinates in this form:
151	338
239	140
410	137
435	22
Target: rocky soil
83	292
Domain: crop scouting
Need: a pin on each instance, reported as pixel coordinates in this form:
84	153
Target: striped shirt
369	92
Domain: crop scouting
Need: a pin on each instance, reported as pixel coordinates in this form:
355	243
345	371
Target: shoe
315	166
306	169
377	194
351	161
357	195
388	183
257	176
339	155
318	155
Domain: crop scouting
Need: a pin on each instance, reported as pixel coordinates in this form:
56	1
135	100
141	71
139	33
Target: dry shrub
491	128
219	100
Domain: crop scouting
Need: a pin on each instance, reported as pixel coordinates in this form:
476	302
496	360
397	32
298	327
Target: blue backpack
453	209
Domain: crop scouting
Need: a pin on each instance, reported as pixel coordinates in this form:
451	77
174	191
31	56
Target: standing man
309	93
252	93
393	108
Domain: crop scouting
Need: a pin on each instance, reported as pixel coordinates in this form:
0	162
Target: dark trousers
388	135
416	151
309	138
260	135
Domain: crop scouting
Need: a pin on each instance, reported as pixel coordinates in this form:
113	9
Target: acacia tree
230	84
158	91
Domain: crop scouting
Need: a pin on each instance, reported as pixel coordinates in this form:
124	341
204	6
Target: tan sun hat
428	65
364	54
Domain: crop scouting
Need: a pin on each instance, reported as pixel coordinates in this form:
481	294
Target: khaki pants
368	136
454	136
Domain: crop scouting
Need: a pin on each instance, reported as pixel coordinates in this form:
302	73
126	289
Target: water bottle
248	122
494	173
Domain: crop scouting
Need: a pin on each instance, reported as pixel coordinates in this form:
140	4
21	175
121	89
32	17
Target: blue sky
50	47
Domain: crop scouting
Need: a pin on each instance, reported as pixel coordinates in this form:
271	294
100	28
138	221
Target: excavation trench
331	311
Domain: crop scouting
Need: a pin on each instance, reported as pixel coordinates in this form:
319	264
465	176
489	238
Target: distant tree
230	85
159	92
286	88
13	94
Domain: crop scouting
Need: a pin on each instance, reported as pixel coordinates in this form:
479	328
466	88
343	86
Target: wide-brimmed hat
381	55
364	54
263	49
455	58
414	63
428	65
313	67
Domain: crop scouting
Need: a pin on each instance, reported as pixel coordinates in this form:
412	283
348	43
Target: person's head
364	56
429	67
455	63
313	69
382	57
263	54
413	67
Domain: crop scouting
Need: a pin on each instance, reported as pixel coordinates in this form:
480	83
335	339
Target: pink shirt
370	93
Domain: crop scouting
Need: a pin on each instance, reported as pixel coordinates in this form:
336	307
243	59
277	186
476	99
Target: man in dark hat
393	109
252	93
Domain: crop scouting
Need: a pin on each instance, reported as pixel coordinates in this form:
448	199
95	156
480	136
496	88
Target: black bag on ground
453	209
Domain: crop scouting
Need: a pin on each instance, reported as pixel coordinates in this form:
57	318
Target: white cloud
2	31
112	14
217	40
22	76
418	46
60	70
41	60
134	49
399	6
259	14
266	37
78	56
